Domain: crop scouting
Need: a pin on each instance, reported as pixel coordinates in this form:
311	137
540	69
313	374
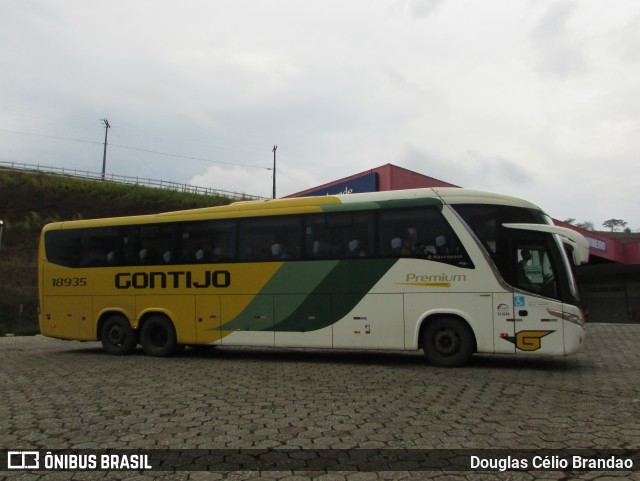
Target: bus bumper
574	337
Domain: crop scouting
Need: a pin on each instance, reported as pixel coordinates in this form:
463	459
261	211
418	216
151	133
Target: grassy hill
30	200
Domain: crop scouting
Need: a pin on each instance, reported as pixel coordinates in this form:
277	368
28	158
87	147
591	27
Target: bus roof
301	205
448	195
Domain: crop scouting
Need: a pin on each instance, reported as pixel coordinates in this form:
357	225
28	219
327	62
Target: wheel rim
447	342
116	335
158	337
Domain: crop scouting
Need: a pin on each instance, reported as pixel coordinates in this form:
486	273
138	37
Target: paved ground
57	394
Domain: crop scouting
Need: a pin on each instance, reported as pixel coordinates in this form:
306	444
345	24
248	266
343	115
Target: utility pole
275	147
104	156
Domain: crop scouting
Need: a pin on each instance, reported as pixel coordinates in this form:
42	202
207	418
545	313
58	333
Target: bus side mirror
568	236
576	255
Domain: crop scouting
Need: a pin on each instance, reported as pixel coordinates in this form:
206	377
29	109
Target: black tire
117	336
448	342
158	337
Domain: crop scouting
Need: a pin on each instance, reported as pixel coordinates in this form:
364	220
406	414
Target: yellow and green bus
450	271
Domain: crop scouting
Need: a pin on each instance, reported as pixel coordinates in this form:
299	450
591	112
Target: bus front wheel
158	337
117	336
448	342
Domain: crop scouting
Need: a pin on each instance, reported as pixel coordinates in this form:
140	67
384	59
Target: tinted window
63	247
340	236
486	222
269	239
207	242
83	247
99	247
535	271
421	233
151	244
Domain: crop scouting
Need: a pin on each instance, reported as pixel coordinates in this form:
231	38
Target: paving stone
58	395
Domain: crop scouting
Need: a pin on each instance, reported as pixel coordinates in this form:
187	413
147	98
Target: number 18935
69	281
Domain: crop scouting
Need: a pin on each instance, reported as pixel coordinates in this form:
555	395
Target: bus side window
63	247
129	245
100	247
420	232
195	243
340	236
403	233
156	244
270	239
318	241
207	242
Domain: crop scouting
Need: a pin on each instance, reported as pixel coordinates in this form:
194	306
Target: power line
50	136
136	149
300	183
188	157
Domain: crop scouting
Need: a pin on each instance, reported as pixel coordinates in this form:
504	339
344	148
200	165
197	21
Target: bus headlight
568	316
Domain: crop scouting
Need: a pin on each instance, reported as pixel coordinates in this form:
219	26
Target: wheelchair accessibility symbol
519	301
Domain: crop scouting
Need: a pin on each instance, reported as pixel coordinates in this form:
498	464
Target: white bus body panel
375	323
574	336
537	331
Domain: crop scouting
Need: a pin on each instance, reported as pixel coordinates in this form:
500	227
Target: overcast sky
538	99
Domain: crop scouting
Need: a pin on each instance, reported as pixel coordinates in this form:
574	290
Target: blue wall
366	183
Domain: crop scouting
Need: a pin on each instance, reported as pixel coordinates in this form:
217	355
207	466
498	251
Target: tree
586	225
615	224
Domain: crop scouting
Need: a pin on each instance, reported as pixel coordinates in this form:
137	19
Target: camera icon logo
23	459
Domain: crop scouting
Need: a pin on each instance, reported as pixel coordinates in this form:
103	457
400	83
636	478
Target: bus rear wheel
158	337
117	336
448	342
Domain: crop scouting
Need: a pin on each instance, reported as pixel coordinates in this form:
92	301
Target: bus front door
537	329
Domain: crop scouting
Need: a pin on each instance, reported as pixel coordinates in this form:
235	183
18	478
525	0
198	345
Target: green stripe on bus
322	294
406	203
384	204
288	288
338	293
350	207
298	277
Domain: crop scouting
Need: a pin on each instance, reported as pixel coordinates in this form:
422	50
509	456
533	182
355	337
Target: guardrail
125	179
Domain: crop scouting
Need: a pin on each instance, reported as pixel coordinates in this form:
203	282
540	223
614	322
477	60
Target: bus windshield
525	248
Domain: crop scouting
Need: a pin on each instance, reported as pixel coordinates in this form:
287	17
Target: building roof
612	246
386	177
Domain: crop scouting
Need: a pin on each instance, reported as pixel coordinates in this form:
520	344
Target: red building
380	179
610	281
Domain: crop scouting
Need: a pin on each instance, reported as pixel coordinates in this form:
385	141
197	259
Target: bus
449	271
